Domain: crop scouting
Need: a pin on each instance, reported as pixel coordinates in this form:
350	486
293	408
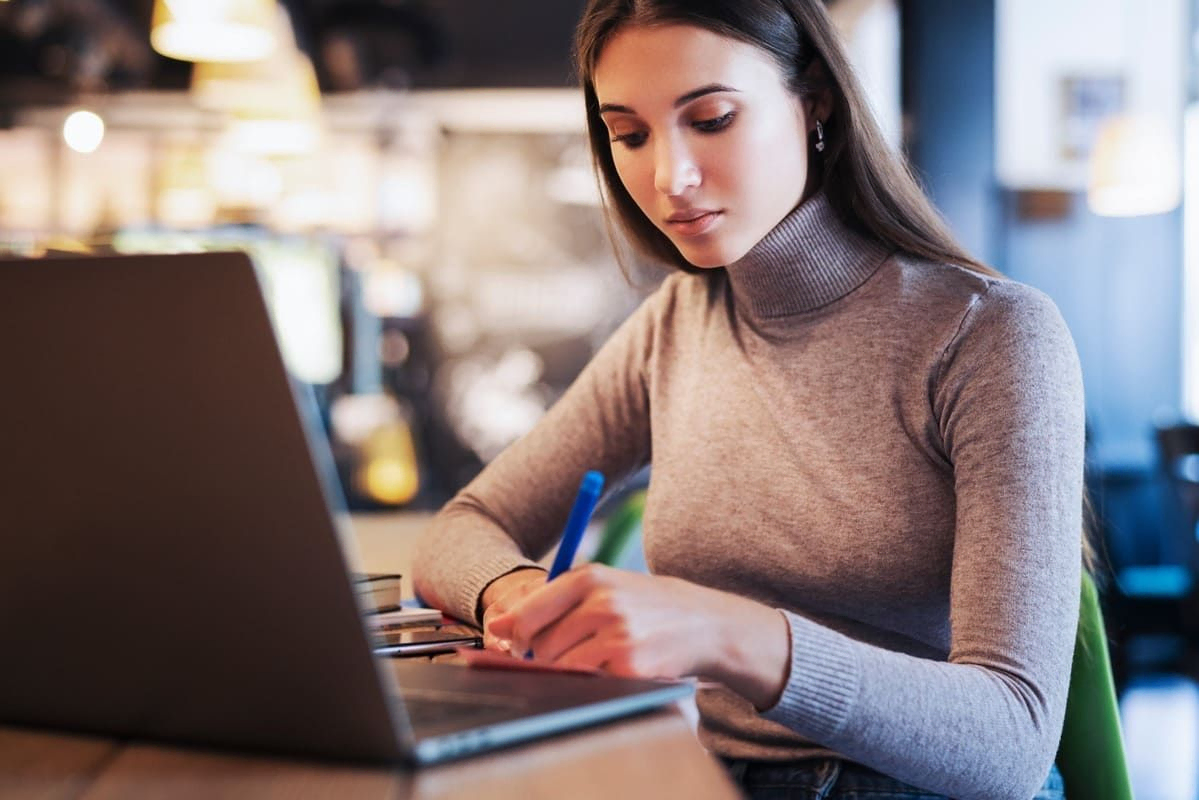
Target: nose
675	168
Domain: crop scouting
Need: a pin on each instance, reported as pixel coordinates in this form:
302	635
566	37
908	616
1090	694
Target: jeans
831	779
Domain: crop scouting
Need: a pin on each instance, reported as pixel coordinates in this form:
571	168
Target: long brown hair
867	185
870	187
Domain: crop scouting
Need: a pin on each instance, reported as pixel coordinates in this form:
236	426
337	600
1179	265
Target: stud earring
819	137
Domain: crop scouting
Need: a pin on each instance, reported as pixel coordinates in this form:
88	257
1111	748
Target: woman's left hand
649	626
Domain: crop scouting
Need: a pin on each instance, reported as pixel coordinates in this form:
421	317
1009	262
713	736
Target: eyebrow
681	101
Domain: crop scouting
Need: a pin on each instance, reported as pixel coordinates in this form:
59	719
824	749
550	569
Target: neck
810	259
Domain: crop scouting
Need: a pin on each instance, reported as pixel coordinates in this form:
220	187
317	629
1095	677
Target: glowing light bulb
83	131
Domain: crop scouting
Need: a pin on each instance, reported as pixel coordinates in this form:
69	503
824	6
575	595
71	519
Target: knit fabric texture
886	450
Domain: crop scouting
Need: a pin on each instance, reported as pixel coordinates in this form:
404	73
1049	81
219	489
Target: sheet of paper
491	659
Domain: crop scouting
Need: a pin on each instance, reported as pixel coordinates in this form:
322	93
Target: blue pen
576	524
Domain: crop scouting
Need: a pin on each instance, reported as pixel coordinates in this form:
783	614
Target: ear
817	106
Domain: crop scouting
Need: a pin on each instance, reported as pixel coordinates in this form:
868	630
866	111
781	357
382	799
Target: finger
493	642
577	626
497	631
498	611
538	610
499	626
498	645
592	653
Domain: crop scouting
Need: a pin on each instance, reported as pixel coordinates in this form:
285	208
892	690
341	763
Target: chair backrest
620	529
1091	753
1178	447
1176	441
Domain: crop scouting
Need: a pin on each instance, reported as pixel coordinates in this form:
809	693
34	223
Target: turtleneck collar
808	260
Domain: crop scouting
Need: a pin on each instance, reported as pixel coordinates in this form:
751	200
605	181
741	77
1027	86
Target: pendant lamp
214	30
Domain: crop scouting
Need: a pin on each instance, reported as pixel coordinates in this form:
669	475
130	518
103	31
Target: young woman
863	520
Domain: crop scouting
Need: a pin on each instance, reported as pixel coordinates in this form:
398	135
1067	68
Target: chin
712	256
705	263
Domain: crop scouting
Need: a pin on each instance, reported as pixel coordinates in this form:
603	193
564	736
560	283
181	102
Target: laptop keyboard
427	706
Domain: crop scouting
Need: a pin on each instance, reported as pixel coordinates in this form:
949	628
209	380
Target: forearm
458	555
982	730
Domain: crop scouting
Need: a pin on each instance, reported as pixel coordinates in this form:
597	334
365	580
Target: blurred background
412	180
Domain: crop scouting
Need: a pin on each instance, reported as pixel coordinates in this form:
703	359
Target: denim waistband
834	779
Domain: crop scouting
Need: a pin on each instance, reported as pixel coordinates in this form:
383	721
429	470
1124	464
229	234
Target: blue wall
1118	282
949	82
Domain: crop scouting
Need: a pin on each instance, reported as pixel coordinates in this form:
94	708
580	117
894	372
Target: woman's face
706	138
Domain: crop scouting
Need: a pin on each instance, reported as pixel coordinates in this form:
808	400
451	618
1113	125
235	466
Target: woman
863	521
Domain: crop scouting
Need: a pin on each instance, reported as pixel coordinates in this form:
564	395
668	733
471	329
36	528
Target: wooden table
655	755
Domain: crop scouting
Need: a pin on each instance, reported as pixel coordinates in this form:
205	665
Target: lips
692	221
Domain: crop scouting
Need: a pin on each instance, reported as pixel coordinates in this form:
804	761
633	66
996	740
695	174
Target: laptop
170	564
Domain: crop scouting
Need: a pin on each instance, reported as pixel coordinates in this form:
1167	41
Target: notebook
170	564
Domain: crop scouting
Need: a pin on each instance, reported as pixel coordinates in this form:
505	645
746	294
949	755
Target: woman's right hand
502	594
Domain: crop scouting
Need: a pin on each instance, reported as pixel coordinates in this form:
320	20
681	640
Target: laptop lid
168	552
169	567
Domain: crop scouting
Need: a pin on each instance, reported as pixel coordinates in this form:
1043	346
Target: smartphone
420	643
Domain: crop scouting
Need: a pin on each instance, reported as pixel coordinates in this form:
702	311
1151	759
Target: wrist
754	653
504	583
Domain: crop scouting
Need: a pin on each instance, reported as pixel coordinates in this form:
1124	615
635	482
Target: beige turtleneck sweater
887	450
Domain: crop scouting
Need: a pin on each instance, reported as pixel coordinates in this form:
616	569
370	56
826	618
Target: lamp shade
273	103
1135	168
214	30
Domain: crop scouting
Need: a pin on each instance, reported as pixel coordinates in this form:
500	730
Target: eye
631	140
715	124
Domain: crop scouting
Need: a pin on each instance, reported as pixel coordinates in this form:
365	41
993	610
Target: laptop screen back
169	566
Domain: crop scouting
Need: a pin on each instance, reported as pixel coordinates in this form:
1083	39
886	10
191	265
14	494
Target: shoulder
673	305
999	331
1016	317
1012	309
970	304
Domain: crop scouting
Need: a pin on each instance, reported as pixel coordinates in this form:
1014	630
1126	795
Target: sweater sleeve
1007	398
512	513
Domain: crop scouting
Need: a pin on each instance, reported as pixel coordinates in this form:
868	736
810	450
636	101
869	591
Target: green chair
621	528
1091	753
